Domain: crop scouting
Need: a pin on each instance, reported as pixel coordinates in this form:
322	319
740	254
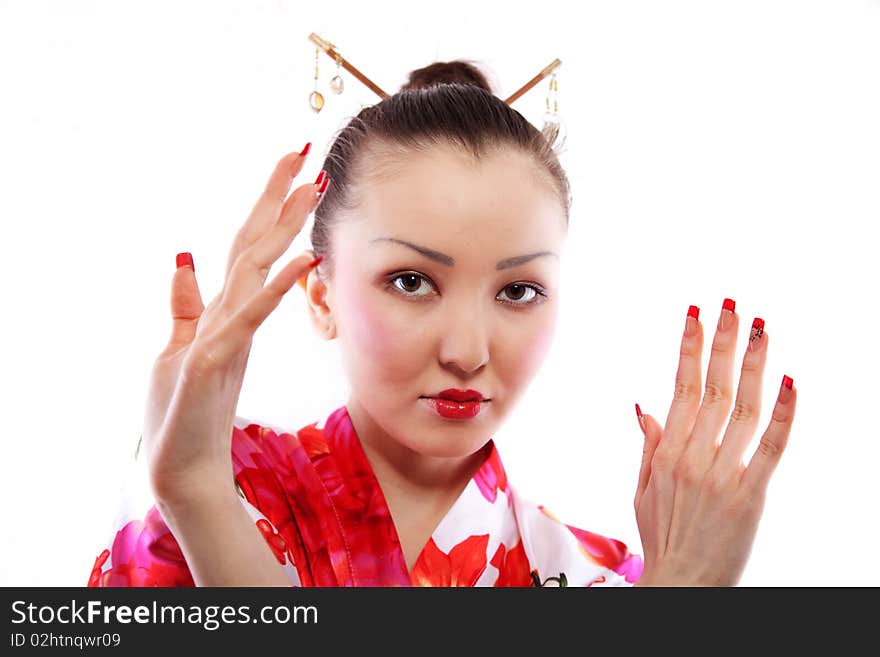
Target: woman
440	221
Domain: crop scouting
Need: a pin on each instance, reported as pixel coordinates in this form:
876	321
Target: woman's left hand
697	505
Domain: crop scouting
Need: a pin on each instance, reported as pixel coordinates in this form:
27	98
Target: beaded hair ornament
552	122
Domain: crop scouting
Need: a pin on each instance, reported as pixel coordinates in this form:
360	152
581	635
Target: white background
715	149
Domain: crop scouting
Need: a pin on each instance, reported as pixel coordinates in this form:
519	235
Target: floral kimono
314	497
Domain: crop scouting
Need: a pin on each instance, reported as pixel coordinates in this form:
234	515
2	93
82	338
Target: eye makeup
539	294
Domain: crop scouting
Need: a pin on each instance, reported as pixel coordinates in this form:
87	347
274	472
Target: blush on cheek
381	338
536	348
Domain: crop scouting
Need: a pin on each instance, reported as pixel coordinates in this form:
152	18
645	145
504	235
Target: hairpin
316	98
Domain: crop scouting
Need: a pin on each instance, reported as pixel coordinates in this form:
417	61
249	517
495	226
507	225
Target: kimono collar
330	510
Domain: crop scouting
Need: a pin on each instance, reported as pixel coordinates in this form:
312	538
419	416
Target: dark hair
446	73
445	103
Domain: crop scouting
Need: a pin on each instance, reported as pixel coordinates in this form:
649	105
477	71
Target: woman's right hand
196	381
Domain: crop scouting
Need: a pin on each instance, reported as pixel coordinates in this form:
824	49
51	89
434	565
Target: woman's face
446	275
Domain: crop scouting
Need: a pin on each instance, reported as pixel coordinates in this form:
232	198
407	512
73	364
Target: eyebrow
449	261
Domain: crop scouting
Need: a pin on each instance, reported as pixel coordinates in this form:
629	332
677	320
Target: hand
697	505
196	381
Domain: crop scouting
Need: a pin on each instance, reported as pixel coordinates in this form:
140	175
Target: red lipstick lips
456	404
460	395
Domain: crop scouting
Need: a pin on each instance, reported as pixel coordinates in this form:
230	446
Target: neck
391	460
418	489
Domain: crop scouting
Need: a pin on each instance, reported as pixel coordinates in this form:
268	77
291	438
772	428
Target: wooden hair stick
556	63
330	49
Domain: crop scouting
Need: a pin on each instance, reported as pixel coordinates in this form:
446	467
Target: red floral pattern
513	566
607	552
276	542
491	477
461	567
325	514
143	554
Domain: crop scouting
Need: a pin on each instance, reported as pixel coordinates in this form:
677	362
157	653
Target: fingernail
641	418
185	258
324	185
690	327
305	150
320	177
724	320
785	392
757	332
316	261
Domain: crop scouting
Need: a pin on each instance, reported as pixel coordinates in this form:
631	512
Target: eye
410	283
520	291
518	294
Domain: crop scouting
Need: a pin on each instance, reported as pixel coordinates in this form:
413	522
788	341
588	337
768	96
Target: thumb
186	302
652	432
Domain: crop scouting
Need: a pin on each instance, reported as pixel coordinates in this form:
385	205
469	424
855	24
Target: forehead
443	194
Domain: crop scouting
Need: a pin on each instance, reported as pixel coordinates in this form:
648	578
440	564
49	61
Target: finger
773	442
718	395
268	205
252	267
688	387
290	211
653	498
747	408
238	332
652	434
690	470
186	303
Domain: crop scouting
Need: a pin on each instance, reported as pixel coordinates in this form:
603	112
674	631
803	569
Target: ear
320	312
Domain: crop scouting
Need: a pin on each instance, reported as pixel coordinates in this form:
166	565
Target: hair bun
437	73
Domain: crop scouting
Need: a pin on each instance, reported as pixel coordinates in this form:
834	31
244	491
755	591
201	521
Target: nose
464	343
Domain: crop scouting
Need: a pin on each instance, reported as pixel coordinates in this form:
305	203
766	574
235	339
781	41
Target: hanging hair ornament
316	98
337	84
551	116
552	123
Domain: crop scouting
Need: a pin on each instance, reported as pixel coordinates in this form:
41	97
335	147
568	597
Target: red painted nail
787	381
184	259
640	418
320	177
305	150
324	185
316	261
758	323
729	304
694	312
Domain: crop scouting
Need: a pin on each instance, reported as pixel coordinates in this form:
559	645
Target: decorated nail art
757	331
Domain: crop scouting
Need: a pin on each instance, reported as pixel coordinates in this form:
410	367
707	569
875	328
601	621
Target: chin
448	450
449	438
